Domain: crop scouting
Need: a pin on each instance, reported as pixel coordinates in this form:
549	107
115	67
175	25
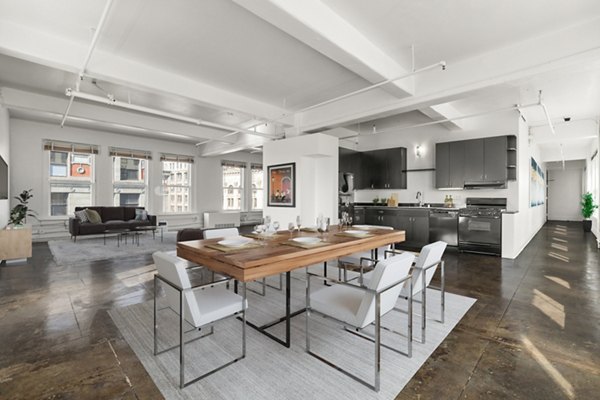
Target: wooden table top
275	257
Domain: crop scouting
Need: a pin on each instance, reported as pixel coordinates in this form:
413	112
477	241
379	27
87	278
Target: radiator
221	219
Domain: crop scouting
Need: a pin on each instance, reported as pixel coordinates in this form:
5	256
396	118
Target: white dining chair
424	269
199	306
362	259
361	306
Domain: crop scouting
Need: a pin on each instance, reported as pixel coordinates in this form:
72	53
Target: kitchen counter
406	206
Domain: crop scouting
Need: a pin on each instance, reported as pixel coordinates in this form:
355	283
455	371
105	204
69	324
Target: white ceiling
243	63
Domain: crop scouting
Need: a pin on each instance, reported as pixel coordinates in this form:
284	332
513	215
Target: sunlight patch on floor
547	366
558	256
561	247
558	280
549	307
560	240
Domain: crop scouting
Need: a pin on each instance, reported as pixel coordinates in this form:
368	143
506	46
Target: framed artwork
537	185
281	185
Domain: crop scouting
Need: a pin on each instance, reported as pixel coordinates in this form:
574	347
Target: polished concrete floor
534	332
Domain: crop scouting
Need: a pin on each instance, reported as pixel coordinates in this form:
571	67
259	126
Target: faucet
420	198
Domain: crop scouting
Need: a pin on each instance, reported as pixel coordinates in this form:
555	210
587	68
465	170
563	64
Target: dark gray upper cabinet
450	165
442	165
378	169
495	159
477	161
474	160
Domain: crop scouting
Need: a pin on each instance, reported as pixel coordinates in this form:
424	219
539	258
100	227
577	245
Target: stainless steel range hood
485	185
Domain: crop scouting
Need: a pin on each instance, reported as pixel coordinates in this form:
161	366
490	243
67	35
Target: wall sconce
418	151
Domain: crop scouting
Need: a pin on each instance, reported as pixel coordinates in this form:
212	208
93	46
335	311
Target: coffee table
119	233
140	229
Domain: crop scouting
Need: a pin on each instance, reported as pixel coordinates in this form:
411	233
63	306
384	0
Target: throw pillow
93	216
81	216
141	215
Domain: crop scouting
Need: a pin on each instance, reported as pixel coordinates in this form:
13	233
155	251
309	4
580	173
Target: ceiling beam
319	27
36	46
572	46
18	99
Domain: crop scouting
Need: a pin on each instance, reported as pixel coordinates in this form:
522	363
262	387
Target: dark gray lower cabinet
414	221
416	225
359	216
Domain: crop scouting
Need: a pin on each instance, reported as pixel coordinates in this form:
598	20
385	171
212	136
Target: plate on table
364	227
356	233
234	242
307	240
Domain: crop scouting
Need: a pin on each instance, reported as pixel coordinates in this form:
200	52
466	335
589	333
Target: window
233	184
70	176
130	177
176	183
257	187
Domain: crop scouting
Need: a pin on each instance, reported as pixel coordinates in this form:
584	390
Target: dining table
284	252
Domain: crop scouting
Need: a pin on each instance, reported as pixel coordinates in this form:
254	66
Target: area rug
271	371
93	248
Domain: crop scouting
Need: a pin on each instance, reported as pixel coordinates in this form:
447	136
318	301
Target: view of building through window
71	178
130	181
233	185
176	185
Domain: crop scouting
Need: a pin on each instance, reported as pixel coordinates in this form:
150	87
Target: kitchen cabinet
486	160
495	159
475	162
381	217
384	169
416	224
377	169
450	165
359	216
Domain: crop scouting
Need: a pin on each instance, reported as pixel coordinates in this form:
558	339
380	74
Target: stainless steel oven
480	226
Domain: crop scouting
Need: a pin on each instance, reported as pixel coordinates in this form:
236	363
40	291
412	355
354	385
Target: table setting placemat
305	245
345	234
228	249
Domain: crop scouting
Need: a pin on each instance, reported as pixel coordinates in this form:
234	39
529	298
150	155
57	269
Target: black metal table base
287	318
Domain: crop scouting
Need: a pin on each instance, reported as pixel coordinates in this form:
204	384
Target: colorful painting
282	185
537	185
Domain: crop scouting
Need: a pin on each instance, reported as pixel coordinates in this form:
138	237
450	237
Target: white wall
564	194
29	170
519	228
316	158
5	153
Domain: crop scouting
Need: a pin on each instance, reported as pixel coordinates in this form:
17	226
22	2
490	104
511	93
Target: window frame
141	185
178	188
68	180
242	188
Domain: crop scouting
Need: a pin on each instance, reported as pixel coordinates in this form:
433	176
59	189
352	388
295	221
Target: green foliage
587	205
21	211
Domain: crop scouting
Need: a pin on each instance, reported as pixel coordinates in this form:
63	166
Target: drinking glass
276	226
298	222
291	227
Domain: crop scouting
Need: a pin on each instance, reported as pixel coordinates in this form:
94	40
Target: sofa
113	218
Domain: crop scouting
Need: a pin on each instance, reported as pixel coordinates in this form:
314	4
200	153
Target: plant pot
587	225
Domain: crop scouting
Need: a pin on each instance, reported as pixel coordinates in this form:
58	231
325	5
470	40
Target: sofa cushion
93	216
141	215
133	223
129	212
113	214
90	229
81	215
98	209
116	224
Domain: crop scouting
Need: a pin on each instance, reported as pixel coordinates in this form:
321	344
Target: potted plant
21	211
376	200
587	209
